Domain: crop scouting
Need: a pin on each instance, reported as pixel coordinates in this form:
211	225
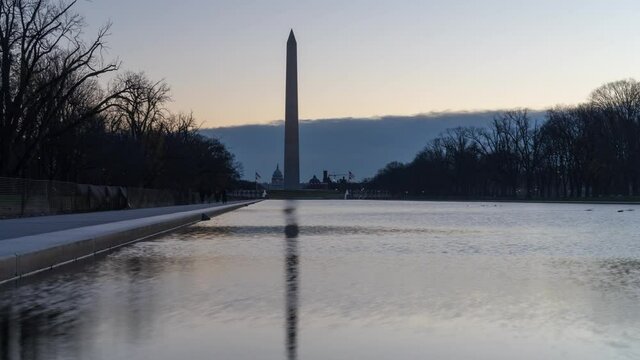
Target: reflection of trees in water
208	232
33	334
4	333
621	273
140	301
203	231
607	275
292	279
41	319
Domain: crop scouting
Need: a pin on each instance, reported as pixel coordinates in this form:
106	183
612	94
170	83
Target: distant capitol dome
314	181
277	178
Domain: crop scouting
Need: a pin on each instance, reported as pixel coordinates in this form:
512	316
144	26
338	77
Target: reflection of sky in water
374	280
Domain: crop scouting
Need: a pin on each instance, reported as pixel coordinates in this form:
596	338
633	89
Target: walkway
13	228
31	245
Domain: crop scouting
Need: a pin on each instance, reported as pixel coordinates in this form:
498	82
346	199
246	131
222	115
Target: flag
351	176
258	177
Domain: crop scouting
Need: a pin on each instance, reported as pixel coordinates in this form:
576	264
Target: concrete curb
37	253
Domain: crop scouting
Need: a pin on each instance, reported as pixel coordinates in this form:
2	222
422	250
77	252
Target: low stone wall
32	256
28	197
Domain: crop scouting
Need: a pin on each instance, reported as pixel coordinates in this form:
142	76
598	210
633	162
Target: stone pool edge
37	253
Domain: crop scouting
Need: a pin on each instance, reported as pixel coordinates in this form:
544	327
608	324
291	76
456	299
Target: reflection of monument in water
291	134
292	281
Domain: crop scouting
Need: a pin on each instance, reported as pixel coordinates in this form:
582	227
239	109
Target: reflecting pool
349	280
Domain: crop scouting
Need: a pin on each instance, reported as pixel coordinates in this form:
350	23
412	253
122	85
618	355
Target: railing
26	197
369	195
310	193
245	194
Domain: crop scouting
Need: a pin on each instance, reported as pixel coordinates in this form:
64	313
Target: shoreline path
34	244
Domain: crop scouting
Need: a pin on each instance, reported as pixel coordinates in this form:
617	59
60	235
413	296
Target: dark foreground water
349	280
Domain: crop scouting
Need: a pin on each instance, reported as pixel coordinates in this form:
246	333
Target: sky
225	59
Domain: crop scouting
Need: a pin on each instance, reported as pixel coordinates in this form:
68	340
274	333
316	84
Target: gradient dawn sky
225	59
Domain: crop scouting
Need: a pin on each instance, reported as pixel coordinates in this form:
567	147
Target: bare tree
44	63
181	124
621	97
140	107
619	106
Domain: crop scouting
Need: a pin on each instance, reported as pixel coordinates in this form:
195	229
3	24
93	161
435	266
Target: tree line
585	151
58	122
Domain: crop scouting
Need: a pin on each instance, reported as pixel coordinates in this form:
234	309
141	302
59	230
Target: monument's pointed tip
291	35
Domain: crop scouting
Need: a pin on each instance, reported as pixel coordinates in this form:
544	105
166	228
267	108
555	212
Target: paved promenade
28	245
13	228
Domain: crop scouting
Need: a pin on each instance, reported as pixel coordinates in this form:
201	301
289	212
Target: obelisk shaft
291	135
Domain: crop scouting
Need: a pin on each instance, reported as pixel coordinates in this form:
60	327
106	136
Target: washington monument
291	143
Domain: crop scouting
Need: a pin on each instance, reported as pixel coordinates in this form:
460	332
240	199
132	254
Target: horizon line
382	117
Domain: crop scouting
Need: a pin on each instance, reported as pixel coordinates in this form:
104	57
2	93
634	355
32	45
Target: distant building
315	183
277	180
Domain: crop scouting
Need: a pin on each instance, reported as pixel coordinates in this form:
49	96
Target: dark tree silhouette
589	150
58	123
46	77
